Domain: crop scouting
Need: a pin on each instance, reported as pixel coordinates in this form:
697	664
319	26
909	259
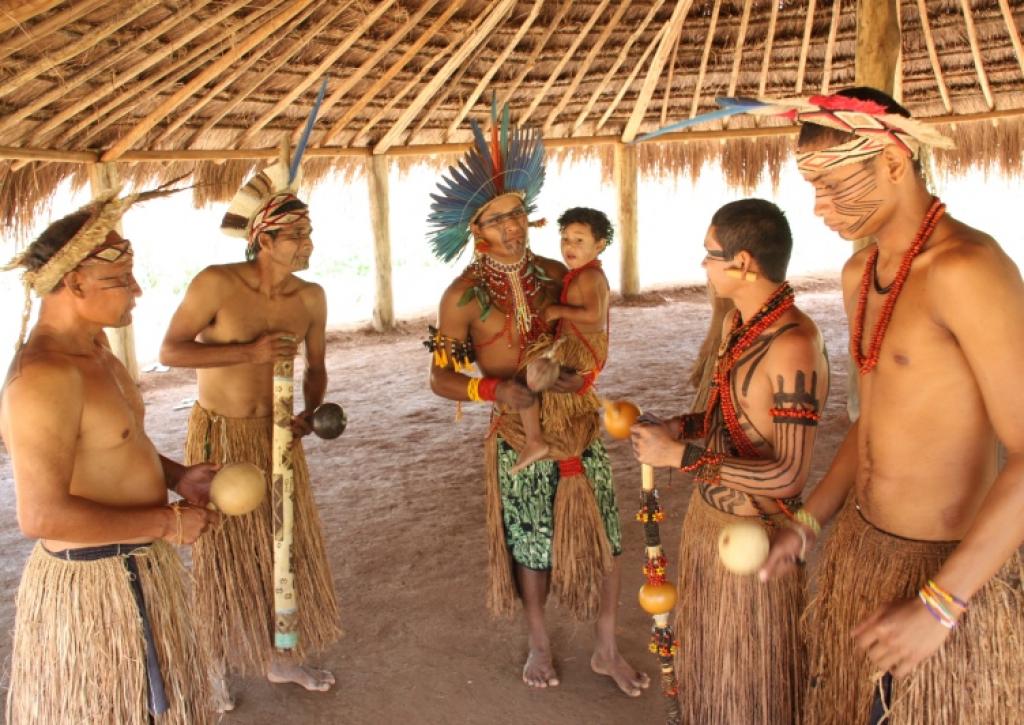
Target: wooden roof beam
667	96
50	61
933	55
585	66
830	47
972	36
351	79
629	80
506	96
768	43
500	10
63	88
805	47
391	72
566	57
12	17
52	24
741	39
1011	27
246	44
317	73
619	60
673	29
289	47
118	81
708	42
481	86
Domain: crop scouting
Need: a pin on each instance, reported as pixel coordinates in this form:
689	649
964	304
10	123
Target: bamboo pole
806	45
286	605
481	86
667	96
538	96
705	56
769	41
830	47
209	73
585	67
390	73
52	24
668	39
50	61
933	55
18	13
384	304
1011	28
103	178
317	73
289	49
625	172
619	60
741	37
351	79
497	14
972	36
64	88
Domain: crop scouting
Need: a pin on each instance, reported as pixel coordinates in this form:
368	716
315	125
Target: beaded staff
658	596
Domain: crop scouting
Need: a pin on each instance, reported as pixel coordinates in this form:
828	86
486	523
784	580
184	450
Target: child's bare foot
532	453
631	682
539	670
310	678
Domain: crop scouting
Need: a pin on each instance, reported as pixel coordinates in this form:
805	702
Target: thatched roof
164	83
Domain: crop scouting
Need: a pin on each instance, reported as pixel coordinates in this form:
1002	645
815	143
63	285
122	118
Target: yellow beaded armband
473	390
806	518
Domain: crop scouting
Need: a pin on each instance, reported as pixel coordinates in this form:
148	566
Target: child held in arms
581	339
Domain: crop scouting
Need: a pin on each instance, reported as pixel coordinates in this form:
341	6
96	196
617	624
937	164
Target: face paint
846	200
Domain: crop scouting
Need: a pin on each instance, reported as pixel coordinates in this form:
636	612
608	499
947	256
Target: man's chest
248	315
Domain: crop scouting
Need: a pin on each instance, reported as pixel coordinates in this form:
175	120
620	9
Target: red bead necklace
866	363
737	342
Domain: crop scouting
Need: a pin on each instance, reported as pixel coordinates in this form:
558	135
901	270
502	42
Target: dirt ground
401	498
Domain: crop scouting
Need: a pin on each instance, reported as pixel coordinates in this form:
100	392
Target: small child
581	339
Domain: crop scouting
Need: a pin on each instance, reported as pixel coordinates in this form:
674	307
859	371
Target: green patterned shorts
528	503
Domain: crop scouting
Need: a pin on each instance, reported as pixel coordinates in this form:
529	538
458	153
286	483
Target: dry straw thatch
165	86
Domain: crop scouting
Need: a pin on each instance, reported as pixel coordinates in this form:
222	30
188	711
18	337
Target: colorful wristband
487	389
805	517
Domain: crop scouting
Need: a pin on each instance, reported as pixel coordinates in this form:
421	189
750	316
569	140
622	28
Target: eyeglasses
515	215
716	255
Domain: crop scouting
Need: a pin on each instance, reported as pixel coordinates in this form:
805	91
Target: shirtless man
494	312
756	439
92	489
235	321
925	526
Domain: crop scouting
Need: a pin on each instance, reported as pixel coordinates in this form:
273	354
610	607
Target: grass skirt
79	650
233	565
976	677
740	657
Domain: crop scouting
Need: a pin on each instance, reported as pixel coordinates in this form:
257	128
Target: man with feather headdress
235	322
103	633
554	525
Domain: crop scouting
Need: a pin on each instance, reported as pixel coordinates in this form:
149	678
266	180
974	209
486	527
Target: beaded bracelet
806	518
481	389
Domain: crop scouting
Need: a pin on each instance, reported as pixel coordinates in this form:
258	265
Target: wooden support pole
384	301
103	177
625	183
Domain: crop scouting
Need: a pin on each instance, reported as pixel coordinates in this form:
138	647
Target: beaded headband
873	126
512	163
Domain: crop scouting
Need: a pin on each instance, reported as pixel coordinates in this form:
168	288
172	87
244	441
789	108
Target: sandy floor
400	495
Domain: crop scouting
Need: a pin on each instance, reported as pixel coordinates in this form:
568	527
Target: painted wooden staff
657	596
286	611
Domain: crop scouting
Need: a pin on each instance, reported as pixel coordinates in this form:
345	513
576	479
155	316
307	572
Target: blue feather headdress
512	163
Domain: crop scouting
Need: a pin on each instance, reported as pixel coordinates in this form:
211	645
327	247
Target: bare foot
629	680
532	453
311	678
539	670
222	700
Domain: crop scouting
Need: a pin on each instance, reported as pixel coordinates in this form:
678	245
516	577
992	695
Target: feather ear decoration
511	161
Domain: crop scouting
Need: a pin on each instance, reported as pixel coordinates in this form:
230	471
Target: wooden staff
658	596
286	611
